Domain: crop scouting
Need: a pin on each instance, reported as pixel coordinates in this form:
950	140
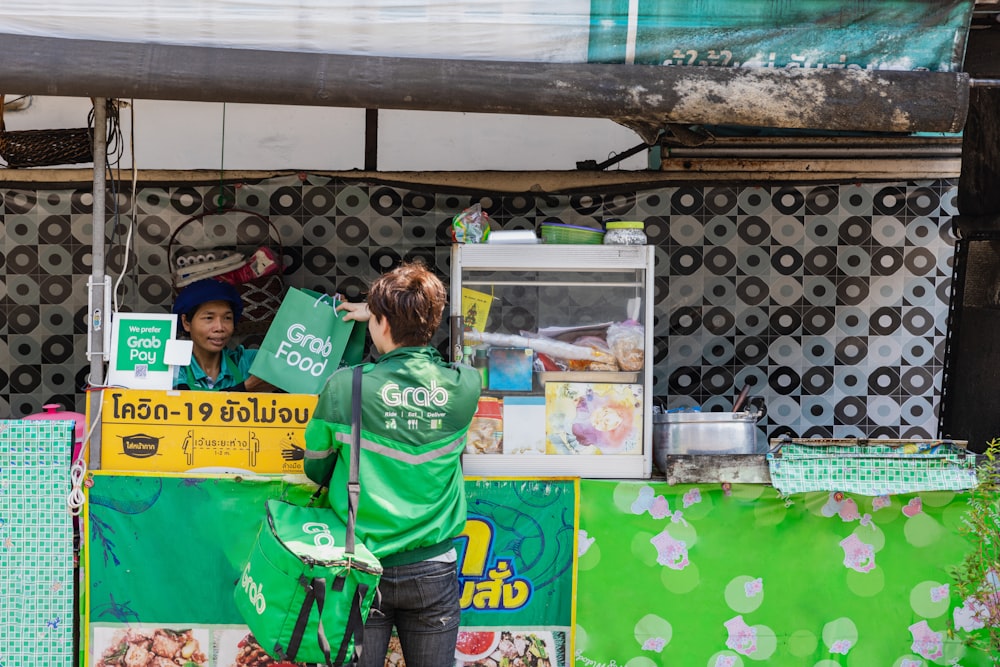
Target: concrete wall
194	135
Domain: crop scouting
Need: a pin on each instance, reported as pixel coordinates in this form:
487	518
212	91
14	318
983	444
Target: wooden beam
979	184
642	97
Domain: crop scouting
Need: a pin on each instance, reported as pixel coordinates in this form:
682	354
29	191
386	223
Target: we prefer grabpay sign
143	344
139	350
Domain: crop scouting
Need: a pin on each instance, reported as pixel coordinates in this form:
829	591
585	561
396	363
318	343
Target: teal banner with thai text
815	34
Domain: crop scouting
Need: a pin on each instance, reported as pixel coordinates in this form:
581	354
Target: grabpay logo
141	343
423	397
305	351
254	591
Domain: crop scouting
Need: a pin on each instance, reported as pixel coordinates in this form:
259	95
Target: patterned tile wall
829	300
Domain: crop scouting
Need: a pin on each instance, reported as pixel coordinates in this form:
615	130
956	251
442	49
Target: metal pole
98	320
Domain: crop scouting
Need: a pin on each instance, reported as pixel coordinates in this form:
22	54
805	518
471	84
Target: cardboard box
510	368
524	425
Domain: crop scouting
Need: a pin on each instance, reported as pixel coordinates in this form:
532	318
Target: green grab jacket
416	411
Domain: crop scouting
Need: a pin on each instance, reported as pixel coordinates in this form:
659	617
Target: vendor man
208	311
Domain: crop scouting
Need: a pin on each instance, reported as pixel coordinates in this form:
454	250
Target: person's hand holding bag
357	312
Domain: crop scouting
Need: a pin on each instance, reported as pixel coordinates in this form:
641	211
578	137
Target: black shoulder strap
316	588
353	484
355	433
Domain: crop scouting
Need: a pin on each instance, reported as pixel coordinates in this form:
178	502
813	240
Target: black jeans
422	601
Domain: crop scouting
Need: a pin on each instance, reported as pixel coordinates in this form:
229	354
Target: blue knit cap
204	291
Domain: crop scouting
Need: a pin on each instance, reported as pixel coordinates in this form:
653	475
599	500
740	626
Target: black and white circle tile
830	301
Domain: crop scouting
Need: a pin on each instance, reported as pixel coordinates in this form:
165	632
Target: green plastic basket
553	232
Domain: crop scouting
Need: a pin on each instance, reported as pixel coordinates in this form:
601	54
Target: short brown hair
412	299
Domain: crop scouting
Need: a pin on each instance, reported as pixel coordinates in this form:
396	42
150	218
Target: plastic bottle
482	363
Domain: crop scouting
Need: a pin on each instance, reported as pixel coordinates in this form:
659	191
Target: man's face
378	330
211	327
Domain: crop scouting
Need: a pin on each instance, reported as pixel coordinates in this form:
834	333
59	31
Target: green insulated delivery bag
307	341
307	588
303	597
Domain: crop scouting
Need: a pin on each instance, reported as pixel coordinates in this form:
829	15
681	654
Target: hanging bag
253	265
307	588
307	341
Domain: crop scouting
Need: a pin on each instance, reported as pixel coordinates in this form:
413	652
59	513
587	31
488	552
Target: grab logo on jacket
423	397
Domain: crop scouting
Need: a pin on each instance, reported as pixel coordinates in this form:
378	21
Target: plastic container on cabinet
625	233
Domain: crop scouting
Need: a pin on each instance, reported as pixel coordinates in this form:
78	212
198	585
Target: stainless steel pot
704	433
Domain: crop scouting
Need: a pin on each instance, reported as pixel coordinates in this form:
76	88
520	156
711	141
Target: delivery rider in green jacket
416	410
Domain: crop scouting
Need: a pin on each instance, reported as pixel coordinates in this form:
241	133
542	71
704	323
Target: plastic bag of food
604	358
627	342
545	362
471	225
485	434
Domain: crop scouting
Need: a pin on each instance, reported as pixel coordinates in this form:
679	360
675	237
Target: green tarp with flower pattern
701	575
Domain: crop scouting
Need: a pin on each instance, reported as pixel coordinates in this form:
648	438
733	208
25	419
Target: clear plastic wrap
627	342
553	348
607	361
471	225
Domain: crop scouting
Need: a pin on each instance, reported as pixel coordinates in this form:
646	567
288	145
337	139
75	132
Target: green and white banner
163	555
810	34
665	575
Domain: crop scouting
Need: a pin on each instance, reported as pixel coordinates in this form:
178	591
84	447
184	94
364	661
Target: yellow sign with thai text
204	431
475	308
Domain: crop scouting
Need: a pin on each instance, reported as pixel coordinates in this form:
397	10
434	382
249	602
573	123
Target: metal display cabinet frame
527	282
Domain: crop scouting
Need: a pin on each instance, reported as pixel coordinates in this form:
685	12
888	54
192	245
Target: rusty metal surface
721	468
644	97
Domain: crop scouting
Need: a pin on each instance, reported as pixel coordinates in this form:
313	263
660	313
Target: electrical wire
76	499
115	142
135	188
221	201
115	152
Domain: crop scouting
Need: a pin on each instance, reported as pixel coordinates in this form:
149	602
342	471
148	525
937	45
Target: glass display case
562	335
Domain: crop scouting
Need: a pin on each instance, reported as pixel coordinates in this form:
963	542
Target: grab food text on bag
295	345
322	537
320	593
